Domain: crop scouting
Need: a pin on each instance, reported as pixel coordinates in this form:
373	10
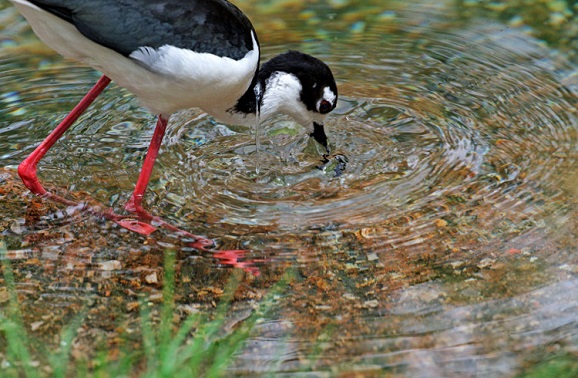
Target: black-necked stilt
177	54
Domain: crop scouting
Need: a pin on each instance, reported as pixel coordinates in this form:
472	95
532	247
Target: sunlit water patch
420	335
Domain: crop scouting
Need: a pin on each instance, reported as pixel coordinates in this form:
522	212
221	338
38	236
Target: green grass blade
16	335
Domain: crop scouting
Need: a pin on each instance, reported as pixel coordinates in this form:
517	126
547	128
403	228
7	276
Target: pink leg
134	204
27	172
27	169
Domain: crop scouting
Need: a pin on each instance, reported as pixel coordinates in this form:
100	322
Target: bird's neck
268	94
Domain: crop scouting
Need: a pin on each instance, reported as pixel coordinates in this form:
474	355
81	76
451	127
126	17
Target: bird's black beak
319	135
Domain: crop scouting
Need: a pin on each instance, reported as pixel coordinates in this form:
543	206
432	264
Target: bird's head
300	86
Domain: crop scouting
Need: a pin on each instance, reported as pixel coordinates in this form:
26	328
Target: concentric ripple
432	124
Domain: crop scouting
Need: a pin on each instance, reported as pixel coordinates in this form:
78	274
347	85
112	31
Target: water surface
446	247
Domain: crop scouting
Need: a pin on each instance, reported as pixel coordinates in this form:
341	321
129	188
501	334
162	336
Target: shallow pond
447	247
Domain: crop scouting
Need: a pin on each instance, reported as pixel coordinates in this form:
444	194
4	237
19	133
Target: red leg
27	169
27	172
134	204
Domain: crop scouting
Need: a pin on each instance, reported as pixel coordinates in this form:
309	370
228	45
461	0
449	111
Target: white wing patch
146	57
183	64
203	80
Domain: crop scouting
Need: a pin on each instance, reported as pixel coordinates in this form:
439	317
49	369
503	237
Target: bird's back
172	54
205	26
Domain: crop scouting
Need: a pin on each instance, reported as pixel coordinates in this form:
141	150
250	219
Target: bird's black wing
208	26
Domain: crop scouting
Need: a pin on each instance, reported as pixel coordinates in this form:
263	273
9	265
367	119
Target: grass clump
561	366
198	346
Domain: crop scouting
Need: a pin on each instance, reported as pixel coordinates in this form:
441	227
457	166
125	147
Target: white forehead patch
329	95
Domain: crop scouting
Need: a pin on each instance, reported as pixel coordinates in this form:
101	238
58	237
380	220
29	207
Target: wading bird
172	55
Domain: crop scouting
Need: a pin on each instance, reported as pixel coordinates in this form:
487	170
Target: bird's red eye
324	107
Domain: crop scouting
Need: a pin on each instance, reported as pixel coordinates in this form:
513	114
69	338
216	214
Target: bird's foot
136	226
147	223
233	258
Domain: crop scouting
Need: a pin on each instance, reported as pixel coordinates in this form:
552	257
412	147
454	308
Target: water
446	245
